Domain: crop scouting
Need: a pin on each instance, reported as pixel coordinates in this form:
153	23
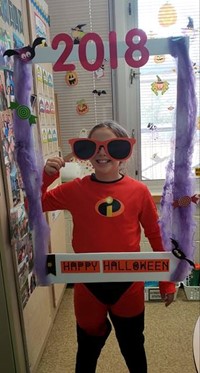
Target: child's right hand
53	165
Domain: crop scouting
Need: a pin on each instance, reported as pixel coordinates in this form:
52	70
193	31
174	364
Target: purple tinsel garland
178	223
30	165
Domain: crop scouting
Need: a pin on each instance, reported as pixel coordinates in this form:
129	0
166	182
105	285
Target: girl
108	209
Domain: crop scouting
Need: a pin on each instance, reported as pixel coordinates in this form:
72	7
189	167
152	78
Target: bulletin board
43	80
12	35
47	118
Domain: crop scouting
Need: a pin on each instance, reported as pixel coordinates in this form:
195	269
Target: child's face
106	168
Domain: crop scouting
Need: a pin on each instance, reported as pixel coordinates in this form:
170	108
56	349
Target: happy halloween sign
101	267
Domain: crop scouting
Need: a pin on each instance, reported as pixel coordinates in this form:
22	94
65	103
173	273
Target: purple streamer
31	165
178	223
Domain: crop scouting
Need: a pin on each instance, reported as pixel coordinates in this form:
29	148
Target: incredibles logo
109	207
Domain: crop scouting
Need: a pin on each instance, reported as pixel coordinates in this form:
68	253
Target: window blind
158	81
65	15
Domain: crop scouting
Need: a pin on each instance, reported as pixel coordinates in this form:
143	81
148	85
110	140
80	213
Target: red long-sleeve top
107	216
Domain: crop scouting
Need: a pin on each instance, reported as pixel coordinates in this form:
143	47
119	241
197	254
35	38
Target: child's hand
53	165
167	298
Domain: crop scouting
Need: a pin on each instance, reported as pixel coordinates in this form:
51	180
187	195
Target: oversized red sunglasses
118	148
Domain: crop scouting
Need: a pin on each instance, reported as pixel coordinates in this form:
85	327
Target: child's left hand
167	298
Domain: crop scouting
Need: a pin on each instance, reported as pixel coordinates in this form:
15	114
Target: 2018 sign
132	44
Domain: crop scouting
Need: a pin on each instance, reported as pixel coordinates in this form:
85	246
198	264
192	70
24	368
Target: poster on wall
40	27
21	238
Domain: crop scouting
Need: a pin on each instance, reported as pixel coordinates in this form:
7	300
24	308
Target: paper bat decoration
99	92
26	53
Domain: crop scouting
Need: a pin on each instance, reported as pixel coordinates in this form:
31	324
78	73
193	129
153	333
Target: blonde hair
118	130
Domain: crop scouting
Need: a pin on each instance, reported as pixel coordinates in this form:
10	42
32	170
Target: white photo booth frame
107	267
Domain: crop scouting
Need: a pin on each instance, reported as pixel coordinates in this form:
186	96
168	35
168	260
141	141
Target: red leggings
91	313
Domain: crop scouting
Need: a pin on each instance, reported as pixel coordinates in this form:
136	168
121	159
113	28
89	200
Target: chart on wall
45	100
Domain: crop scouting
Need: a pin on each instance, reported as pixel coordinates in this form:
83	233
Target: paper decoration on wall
23	112
42	12
39	74
190	24
152	127
50	80
40	28
45	76
190	30
83	133
54	135
99	92
41	105
77	33
159	86
99	73
49	136
82	108
159	58
196	68
26	53
151	34
47	106
71	78
5	43
167	15
52	107
44	136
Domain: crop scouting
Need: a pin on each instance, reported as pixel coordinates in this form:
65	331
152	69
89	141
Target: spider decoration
159	86
152	127
26	53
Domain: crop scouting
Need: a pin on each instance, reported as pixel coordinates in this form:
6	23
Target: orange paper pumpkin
82	108
71	78
159	59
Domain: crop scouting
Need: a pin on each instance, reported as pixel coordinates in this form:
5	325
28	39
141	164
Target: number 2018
61	65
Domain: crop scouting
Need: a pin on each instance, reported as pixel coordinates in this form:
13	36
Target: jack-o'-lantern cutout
159	86
71	78
159	59
167	15
82	108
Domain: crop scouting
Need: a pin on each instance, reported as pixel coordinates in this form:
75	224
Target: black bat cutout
99	92
26	53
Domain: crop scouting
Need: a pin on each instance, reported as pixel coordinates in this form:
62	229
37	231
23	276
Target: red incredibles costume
107	217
